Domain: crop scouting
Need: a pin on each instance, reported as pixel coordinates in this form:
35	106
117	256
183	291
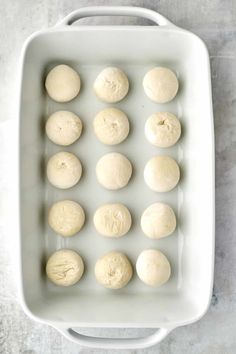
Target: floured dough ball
113	270
158	221
62	83
66	217
111	126
153	268
113	171
64	170
112	220
63	128
111	85
160	85
65	267
161	173
162	129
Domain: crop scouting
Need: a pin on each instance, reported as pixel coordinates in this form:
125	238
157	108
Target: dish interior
190	249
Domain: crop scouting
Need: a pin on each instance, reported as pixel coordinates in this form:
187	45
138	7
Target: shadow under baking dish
87	301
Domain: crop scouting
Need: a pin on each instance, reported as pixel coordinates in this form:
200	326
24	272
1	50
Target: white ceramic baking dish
185	298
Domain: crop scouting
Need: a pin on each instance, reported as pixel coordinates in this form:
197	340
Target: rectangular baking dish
185	298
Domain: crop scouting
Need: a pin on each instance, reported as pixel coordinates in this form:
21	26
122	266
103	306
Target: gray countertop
215	22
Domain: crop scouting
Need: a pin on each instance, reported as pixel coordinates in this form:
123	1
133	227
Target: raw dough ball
62	83
65	267
153	267
111	85
113	171
111	126
162	129
112	220
66	217
161	173
160	85
113	270
158	221
63	128
64	170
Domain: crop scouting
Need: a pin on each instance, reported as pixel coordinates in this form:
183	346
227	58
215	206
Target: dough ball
111	126
64	170
162	129
113	171
113	270
66	217
62	83
161	173
63	128
153	268
158	221
111	85
65	267
160	85
112	220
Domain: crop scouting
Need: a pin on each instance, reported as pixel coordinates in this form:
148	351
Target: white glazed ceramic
185	298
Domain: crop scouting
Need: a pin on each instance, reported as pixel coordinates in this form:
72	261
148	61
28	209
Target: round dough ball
111	85
112	220
158	221
62	83
113	270
111	126
161	173
113	171
153	268
66	217
65	267
160	85
64	170
162	129
63	128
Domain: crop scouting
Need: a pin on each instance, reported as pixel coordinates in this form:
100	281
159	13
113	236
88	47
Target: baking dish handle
115	343
115	11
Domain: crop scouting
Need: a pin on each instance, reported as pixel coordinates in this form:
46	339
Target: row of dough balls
111	85
67	218
114	270
111	126
113	171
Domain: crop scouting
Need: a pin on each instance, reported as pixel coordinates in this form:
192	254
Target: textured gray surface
215	22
